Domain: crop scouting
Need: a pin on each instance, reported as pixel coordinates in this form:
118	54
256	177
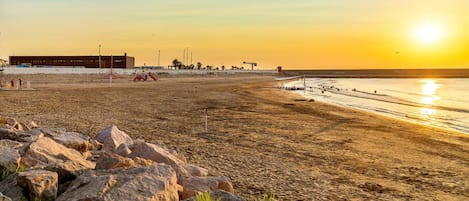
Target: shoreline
387	115
260	136
407	117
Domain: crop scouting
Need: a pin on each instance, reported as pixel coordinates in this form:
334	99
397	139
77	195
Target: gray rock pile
53	164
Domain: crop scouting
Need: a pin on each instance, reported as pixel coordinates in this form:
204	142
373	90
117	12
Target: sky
294	34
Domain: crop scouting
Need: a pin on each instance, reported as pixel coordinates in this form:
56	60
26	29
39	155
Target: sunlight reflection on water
429	89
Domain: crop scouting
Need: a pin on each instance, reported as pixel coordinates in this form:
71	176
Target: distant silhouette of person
20	82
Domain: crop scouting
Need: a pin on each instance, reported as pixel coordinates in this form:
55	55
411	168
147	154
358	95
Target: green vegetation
21	168
265	197
4	173
205	197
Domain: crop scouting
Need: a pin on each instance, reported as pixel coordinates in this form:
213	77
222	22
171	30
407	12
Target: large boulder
51	132
41	184
112	138
9	160
154	183
109	160
221	195
10	189
10	157
20	136
196	171
11	144
160	155
74	140
193	185
48	154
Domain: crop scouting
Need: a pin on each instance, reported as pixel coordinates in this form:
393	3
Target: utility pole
191	57
99	57
184	57
159	57
110	75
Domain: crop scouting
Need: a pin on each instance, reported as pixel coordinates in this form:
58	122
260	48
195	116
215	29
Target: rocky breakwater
53	164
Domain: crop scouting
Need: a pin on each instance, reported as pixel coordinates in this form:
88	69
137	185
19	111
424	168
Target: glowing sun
428	33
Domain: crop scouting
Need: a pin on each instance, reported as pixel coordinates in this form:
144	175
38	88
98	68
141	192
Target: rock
11	122
111	161
4	198
51	132
155	183
180	156
9	188
112	138
75	141
97	145
123	150
372	187
222	195
32	125
29	136
41	184
193	185
20	136
196	171
10	154
22	127
160	155
11	144
143	162
9	159
51	155
9	134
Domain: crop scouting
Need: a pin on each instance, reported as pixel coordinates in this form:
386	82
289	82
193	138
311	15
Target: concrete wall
14	70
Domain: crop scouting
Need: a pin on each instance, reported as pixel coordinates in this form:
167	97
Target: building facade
74	61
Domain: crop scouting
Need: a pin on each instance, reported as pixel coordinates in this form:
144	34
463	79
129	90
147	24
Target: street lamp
99	57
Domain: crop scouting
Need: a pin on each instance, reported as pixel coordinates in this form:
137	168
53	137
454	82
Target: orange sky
292	34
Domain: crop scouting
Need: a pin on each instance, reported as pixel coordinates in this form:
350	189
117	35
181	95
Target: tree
177	63
222	67
199	65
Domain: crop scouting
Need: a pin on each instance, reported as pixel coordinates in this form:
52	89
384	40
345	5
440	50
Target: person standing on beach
20	83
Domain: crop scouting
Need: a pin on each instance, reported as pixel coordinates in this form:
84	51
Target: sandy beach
264	139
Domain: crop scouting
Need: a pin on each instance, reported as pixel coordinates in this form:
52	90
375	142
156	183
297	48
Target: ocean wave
390	99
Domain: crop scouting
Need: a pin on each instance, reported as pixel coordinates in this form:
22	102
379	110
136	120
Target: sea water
436	102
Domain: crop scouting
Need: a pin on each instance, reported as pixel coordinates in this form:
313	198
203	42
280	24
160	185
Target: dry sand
264	139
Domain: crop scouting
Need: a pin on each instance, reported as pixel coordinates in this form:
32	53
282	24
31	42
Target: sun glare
429	33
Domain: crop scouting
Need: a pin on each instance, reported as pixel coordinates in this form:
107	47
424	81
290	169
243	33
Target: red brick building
74	61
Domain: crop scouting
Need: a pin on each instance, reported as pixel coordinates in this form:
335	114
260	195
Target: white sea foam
437	102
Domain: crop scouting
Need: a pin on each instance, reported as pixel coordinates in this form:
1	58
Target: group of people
4	84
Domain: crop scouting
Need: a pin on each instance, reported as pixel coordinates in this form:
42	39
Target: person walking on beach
20	83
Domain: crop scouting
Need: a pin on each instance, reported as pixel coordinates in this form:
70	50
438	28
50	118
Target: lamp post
99	57
110	74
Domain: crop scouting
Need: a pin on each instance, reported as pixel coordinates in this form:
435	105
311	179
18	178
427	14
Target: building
3	62
74	61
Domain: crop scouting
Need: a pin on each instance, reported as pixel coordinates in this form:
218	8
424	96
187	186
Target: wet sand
264	139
